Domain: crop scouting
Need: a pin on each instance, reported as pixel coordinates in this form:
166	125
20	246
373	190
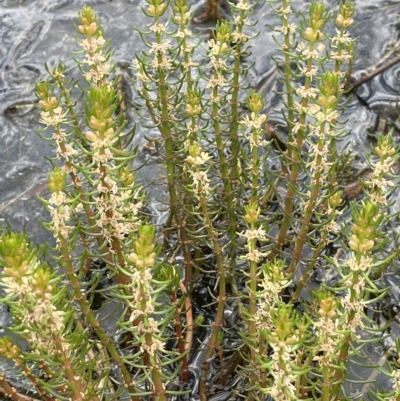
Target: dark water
36	32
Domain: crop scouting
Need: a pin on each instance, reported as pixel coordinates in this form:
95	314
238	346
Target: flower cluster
327	331
141	261
272	282
362	241
378	184
116	206
342	41
287	28
52	115
255	123
285	337
196	159
33	286
58	206
92	45
219	51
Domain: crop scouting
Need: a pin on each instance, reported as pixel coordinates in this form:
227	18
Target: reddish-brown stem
189	318
35	381
11	392
184	374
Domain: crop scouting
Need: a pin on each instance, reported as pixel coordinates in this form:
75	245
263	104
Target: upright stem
228	195
184	374
213	236
235	146
316	180
295	160
166	132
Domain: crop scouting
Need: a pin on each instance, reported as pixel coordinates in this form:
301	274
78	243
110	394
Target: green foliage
236	232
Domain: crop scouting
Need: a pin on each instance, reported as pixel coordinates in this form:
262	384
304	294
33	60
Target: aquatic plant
113	312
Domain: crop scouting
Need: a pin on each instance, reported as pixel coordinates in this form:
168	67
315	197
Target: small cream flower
158	27
160	48
93	44
53	118
362	265
203	158
254	234
242	5
165	63
304	92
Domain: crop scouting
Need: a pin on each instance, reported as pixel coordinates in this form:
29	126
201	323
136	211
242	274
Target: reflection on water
35	32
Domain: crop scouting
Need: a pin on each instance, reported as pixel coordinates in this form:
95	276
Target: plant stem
212	234
316	180
184	373
223	166
189	318
294	149
85	308
166	132
74	383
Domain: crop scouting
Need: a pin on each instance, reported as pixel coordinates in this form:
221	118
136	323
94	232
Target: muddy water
36	32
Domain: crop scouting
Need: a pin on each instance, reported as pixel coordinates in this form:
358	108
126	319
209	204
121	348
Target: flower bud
92	29
40	282
126	176
87	18
144	254
95	123
156	10
224	32
255	102
42	90
284	321
182	20
91	136
8	349
49	103
365	227
193	110
57	180
311	34
347	9
344	22
133	258
316	10
327	101
329	84
252	213
336	199
224	48
15	254
317	16
385	146
109	133
327	308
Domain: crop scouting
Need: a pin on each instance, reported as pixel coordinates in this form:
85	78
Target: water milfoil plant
221	294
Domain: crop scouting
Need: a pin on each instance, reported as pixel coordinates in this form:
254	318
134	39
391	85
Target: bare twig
373	74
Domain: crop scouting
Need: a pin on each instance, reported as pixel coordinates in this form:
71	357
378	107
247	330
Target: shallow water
35	32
